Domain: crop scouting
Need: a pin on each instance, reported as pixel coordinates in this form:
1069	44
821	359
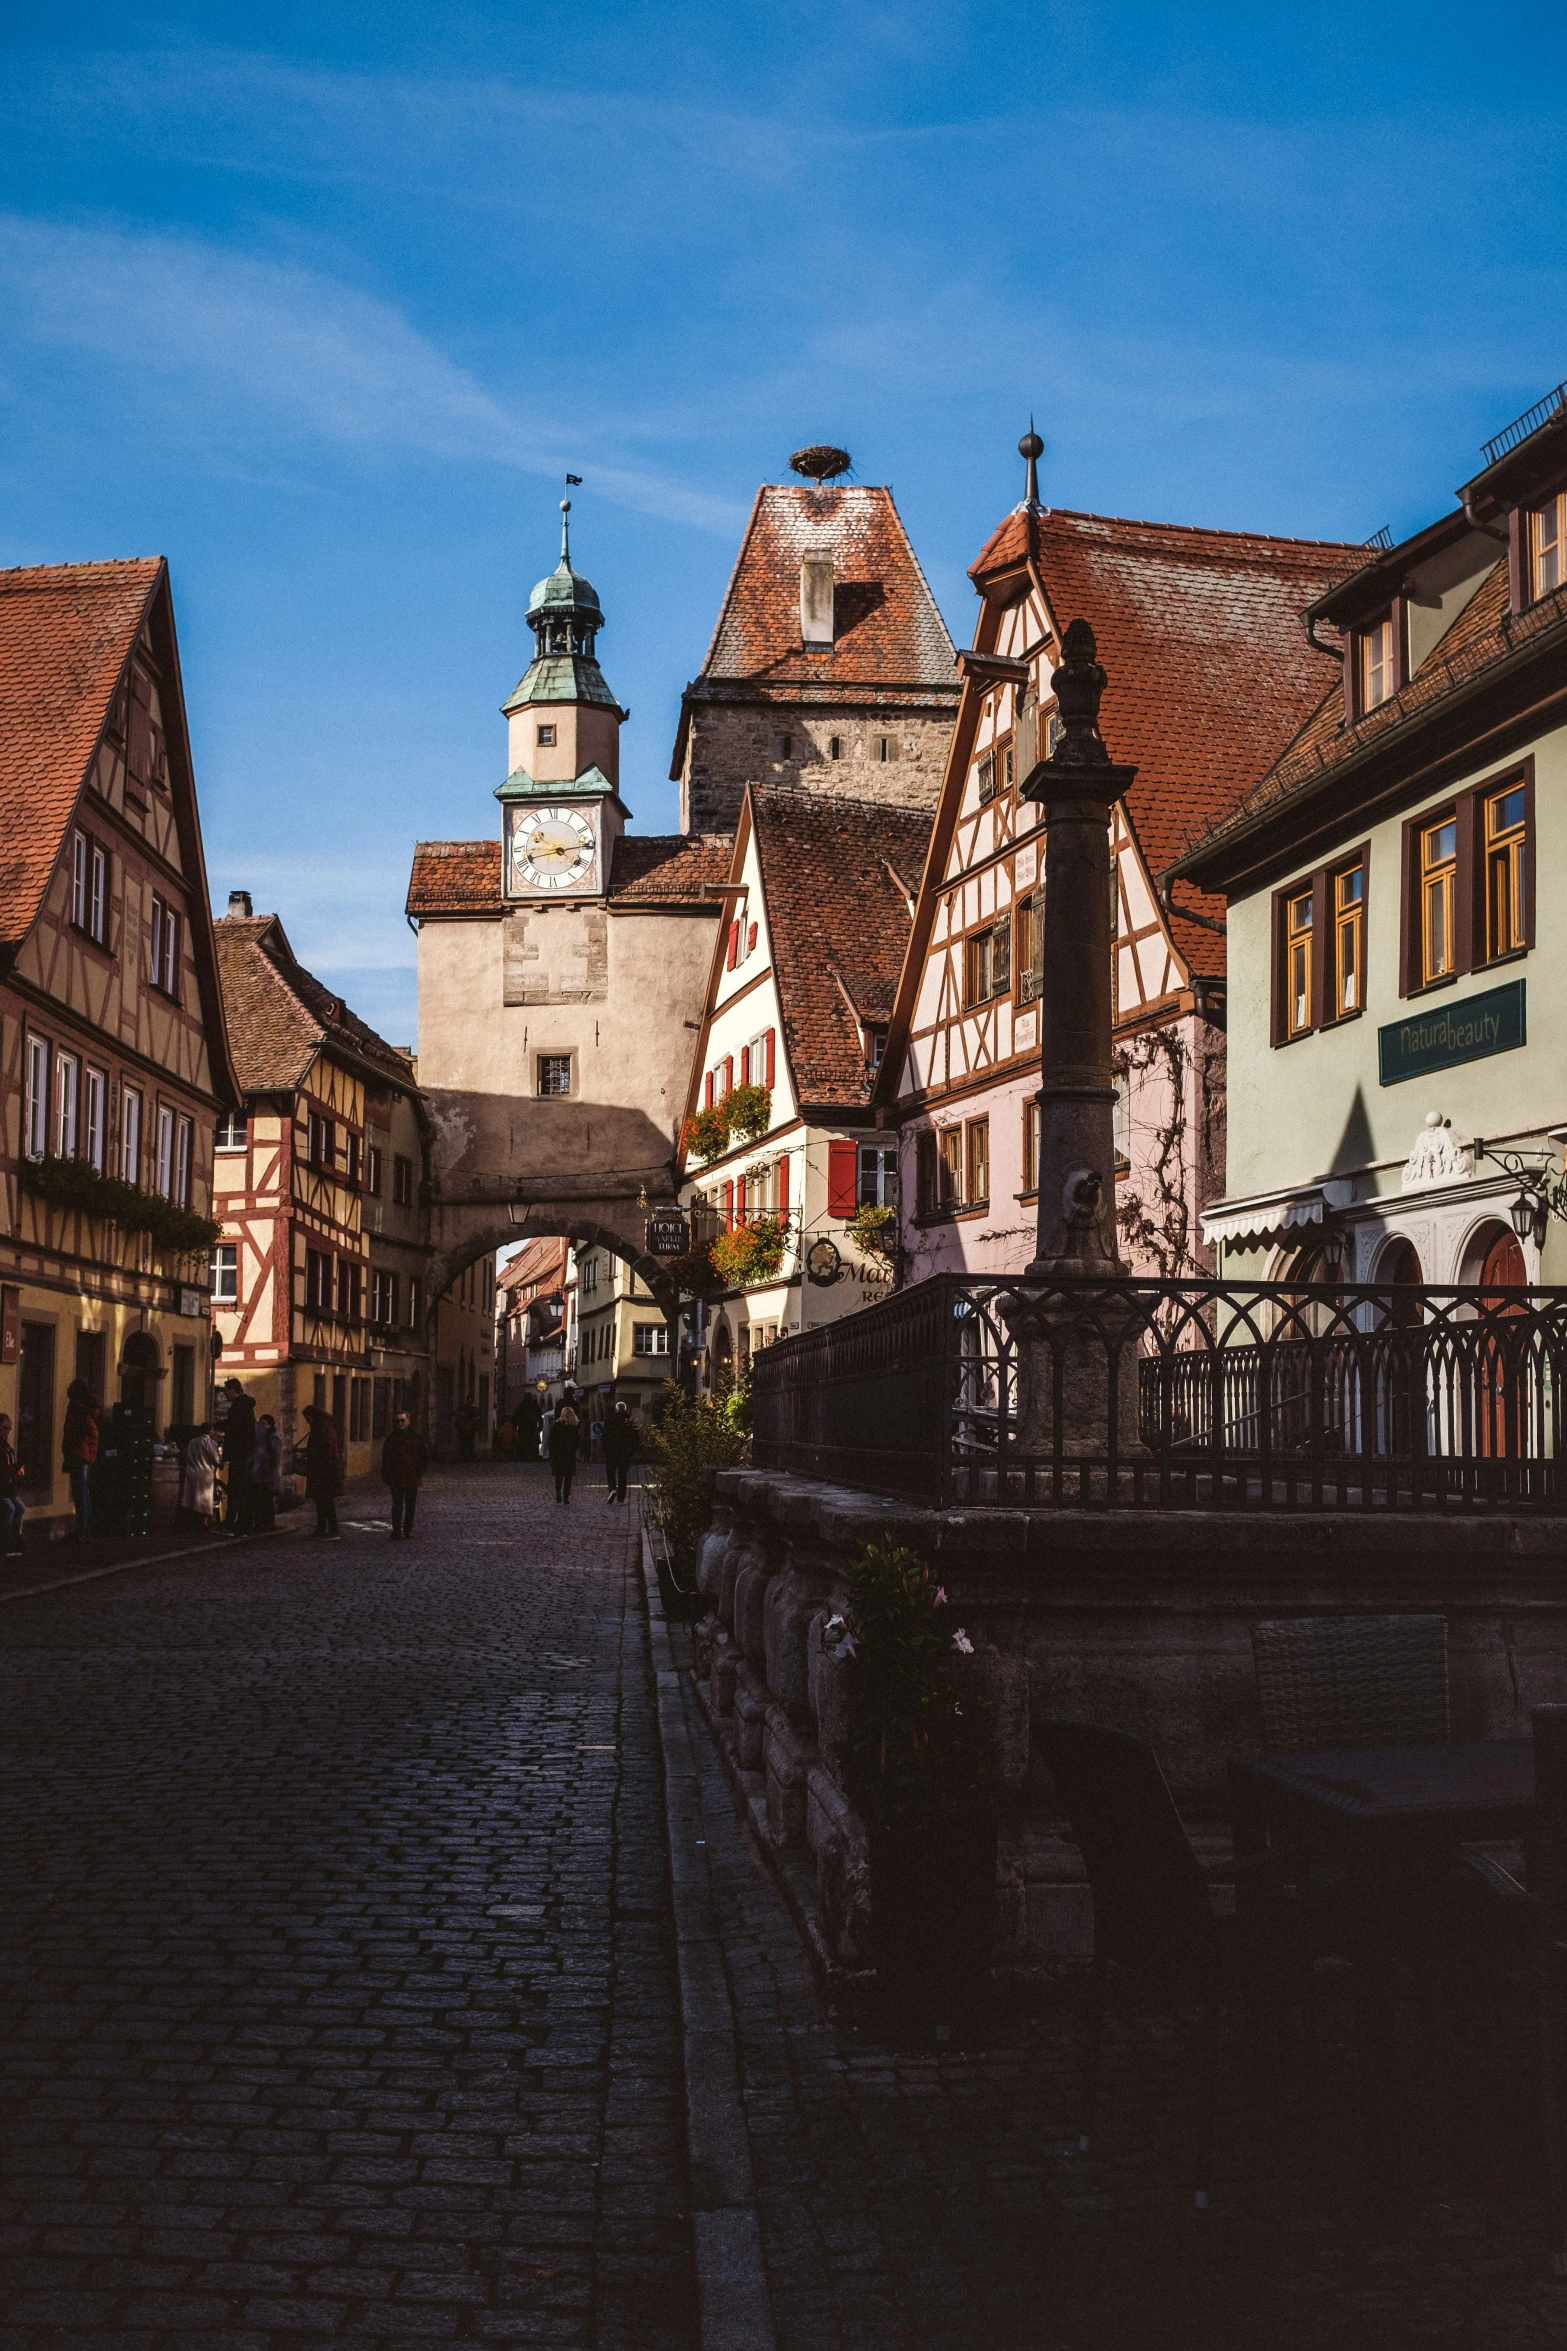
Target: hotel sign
1450	1033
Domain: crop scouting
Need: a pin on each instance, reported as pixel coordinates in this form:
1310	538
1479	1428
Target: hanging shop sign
667	1234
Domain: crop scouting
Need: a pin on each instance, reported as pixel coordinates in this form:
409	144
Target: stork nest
820	463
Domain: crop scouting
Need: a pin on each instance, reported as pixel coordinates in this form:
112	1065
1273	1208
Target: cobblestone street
341	2003
337	1957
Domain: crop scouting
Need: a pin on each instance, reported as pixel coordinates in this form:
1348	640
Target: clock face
551	848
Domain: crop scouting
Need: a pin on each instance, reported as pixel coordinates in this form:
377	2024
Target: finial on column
1031	448
565	530
1078	686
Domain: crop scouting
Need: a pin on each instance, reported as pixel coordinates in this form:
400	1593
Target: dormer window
1376	679
1547	545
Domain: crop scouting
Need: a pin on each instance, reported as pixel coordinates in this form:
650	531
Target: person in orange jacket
404	1460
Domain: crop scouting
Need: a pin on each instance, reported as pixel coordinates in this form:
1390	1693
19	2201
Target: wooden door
1502	1416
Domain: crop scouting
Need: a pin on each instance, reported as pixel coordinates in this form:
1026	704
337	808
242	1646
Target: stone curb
735	2312
91	1575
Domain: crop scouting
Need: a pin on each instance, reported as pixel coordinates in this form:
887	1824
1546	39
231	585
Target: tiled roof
1209	668
834	874
66	631
280	1015
1484	634
887	630
659	869
541	1260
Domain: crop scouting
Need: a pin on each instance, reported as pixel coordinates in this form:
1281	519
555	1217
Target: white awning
1269	1215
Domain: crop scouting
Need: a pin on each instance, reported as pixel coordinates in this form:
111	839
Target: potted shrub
694	1434
918	1766
753	1252
750	1111
707	1134
874	1231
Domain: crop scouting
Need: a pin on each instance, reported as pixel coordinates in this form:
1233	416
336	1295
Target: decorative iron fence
1254	1397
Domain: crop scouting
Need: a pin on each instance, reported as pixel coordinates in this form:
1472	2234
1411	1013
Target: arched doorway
1494	1261
139	1371
1399	1365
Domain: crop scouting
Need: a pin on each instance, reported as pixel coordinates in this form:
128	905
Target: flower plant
752	1252
917	1747
707	1134
695	1433
750	1111
874	1231
71	1183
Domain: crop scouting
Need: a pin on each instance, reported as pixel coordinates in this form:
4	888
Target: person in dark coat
323	1470
404	1459
79	1451
565	1430
621	1440
239	1451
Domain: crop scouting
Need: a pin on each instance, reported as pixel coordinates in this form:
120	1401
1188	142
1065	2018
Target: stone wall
730	744
1139	1620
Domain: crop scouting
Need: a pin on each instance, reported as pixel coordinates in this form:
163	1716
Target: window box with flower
752	1252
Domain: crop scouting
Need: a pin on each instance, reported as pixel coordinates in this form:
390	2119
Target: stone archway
464	1232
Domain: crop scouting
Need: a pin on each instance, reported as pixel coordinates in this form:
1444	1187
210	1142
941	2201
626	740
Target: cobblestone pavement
337	1964
936	2203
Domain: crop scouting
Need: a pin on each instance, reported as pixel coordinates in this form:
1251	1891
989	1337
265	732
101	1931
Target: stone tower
830	668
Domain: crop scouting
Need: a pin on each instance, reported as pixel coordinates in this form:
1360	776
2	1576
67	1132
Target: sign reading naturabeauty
1449	1033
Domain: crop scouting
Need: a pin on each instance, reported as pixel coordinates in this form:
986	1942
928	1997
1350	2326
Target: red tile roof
1209	668
541	1261
66	632
280	1015
834	876
660	869
887	630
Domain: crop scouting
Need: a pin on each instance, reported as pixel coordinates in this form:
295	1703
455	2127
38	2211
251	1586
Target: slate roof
1210	672
834	875
280	1015
66	632
656	869
1484	635
886	628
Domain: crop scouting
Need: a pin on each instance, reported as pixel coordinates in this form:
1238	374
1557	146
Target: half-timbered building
292	1297
780	1144
1210	674
113	1062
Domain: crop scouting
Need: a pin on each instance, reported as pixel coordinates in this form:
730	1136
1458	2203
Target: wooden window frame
402	1181
1394	617
985	778
1341	920
976	1149
1031	1132
131	1133
949	1170
978	943
89	886
164	939
38	1059
1321	887
232	1132
225	1293
1529	525
66	1102
184	1160
95	1128
1473	950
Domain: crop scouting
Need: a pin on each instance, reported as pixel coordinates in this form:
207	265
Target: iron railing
1253	1397
1521	427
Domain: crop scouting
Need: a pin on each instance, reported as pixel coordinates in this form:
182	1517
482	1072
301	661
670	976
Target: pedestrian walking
79	1451
12	1508
199	1474
323	1470
239	1448
404	1459
565	1429
622	1438
266	1475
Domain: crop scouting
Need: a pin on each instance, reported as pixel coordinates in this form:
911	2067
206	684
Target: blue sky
320	302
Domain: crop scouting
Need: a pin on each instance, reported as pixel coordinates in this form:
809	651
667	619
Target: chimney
239	903
816	597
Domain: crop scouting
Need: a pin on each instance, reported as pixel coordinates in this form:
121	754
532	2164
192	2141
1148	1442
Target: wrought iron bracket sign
823	1263
667	1235
1450	1033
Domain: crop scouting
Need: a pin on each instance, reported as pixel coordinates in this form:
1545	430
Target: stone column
1091	1343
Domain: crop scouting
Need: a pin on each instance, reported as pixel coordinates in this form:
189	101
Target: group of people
249	1451
619	1434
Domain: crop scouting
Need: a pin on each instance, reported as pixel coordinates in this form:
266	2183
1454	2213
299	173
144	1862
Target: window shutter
769	1045
729	1203
1469	939
1320	922
729	1073
1279	1027
745	1065
783	1186
734	944
750	940
1517	558
707	1091
1409	911
1001	955
842	1178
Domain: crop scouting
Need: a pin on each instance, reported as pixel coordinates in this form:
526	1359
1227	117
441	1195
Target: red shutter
729	1073
783	1187
750	940
843	1165
734	944
707	1091
729	1203
745	1065
769	1043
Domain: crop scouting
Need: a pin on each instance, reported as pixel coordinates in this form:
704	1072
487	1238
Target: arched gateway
563	967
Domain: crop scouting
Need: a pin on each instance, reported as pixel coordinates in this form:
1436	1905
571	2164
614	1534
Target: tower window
546	735
886	748
835	747
554	1073
786	746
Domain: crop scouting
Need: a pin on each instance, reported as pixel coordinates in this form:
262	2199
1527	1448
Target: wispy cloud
250	339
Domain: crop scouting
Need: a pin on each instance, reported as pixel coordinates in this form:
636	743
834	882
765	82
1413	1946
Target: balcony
1258	1397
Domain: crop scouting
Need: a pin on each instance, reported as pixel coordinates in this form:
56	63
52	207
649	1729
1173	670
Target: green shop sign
1492	1023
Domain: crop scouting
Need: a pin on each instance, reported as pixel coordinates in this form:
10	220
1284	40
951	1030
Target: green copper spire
565	616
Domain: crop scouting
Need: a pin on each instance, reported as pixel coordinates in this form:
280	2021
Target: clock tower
561	807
